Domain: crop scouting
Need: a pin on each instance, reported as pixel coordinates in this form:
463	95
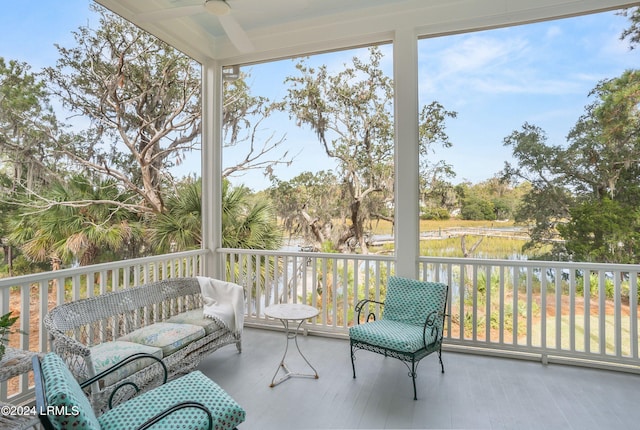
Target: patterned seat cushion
70	406
196	317
105	355
195	386
389	334
169	337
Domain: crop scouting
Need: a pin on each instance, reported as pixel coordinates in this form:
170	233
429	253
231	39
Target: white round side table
291	313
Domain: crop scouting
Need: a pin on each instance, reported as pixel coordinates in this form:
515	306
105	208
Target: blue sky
495	80
31	27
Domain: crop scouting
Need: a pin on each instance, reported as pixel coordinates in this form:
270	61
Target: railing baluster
503	302
305	284
529	306
633	314
543	310
325	290
618	326
572	310
345	293
44	291
474	301
314	283
286	281
515	288
586	290
487	298
334	301
601	312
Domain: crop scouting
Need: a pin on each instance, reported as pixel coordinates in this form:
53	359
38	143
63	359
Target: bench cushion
196	317
107	354
169	337
71	405
195	386
393	335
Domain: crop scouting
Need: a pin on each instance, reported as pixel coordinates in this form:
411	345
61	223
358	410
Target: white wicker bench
161	318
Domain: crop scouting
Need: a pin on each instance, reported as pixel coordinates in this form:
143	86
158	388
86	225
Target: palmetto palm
79	222
249	224
246	223
179	228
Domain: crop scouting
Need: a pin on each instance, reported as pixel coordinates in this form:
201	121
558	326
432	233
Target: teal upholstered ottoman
195	386
63	404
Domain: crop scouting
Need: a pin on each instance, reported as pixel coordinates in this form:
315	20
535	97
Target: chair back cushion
410	301
69	407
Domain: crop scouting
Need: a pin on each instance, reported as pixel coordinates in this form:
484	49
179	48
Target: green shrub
436	214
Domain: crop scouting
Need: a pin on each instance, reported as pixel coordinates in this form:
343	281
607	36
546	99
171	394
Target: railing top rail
307	254
446	260
533	263
46	276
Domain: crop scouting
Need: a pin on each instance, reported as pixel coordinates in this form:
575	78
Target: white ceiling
281	28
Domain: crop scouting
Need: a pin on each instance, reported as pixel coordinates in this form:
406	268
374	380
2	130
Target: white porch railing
326	281
581	313
33	295
549	311
588	314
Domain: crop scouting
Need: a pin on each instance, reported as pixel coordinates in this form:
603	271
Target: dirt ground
34	327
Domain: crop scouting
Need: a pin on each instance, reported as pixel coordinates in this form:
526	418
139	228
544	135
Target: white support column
405	76
212	167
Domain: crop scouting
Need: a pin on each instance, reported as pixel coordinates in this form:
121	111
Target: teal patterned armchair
61	403
411	326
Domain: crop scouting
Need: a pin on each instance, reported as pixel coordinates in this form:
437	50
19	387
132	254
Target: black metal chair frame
43	406
411	360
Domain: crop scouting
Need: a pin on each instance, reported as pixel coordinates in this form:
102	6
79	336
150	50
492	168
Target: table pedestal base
282	366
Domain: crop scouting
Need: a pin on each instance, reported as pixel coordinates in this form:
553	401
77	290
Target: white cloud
474	62
480	54
554	32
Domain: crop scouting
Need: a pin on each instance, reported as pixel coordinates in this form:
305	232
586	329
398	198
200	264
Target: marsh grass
386	228
443	239
490	247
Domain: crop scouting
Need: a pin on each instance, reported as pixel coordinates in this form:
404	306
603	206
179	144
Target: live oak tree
350	112
587	192
142	99
307	205
437	195
243	118
25	150
632	33
26	161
